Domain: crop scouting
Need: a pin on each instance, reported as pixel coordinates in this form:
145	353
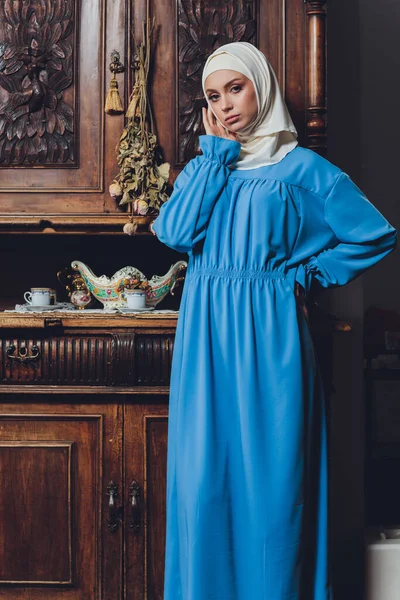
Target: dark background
363	139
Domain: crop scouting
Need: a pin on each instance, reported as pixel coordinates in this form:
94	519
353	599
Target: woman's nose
226	104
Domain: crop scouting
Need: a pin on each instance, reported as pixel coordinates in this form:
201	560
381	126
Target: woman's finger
205	121
216	125
211	117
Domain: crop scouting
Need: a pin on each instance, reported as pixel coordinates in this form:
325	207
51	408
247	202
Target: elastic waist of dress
235	273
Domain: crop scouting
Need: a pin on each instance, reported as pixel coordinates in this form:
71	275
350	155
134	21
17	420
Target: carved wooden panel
122	359
54	75
37	46
146	428
204	26
153	359
57	460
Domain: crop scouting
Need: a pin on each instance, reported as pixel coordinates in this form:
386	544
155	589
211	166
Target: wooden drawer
113	359
56	360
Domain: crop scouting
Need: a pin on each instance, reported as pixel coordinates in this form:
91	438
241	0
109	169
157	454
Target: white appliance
382	568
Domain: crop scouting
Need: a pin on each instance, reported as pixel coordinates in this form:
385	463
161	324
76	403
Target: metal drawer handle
52	322
23	356
134	494
113	516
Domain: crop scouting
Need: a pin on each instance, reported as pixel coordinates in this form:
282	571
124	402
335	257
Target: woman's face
233	99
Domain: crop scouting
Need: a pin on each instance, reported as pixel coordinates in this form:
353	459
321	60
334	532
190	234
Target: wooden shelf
95	224
81	320
51	390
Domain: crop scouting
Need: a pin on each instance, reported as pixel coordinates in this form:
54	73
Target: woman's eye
213	97
236	88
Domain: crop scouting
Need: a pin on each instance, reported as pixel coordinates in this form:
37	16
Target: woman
258	215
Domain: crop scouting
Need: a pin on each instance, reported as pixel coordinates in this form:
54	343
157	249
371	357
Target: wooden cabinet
57	459
83	452
84	397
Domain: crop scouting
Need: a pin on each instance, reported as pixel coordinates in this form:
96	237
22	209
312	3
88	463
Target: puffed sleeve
183	219
363	236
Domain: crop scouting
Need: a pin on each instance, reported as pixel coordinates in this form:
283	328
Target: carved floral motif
204	26
36	66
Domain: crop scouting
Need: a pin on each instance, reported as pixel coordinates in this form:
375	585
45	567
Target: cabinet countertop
80	319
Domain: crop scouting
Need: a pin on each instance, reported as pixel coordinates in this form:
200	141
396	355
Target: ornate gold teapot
76	287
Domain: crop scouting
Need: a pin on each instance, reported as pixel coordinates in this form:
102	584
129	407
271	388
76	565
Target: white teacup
38	296
135	298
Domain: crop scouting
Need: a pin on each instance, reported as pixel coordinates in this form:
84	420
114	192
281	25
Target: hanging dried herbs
143	177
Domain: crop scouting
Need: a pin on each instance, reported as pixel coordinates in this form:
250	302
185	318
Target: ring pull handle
23	357
116	65
113	517
134	495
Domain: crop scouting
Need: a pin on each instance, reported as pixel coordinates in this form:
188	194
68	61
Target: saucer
49	307
133	310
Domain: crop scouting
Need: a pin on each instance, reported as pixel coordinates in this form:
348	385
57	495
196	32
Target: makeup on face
232	98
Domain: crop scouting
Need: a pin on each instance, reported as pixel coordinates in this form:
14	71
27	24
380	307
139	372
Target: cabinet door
56	461
57	145
145	443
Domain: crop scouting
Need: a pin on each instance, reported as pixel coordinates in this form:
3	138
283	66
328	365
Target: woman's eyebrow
225	86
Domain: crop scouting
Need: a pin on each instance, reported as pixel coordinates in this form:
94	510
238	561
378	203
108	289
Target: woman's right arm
183	219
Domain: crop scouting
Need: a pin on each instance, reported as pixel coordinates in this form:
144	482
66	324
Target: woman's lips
232	118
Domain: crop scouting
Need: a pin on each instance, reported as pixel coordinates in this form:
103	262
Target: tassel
132	111
113	100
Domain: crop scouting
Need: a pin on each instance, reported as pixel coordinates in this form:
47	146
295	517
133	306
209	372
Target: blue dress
247	468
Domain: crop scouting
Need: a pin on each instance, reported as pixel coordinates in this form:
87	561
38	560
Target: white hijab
272	135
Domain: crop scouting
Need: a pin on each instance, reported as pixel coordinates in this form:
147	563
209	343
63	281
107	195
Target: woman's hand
214	127
301	300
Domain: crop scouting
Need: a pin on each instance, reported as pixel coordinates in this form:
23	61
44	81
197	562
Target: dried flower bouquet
143	177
